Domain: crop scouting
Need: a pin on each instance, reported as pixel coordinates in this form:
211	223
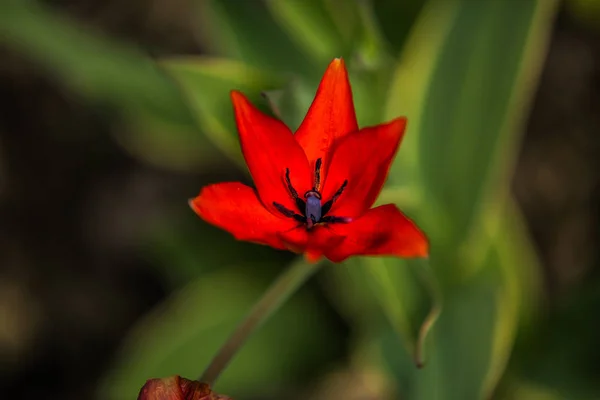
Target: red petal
383	230
235	208
331	115
314	243
269	148
364	159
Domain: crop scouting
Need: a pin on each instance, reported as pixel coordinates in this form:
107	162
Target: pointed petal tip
192	204
423	251
396	127
236	96
337	64
399	123
331	115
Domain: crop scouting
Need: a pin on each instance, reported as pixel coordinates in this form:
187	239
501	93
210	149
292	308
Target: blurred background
114	113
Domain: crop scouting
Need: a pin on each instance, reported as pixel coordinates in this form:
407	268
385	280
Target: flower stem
279	291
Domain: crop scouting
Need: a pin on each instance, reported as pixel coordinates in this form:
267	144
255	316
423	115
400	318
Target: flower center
311	211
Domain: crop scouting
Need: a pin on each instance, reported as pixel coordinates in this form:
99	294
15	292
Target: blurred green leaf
548	354
369	90
460	343
183	335
292	101
370	47
443	143
323	35
470	343
408	87
405	290
207	83
396	19
478	94
349	292
408	294
465	79
108	71
246	31
186	248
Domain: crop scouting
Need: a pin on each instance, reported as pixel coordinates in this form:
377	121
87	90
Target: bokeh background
114	113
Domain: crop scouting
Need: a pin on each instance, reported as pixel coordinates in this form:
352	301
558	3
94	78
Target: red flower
315	188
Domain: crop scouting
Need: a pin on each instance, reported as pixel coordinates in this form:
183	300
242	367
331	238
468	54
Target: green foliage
396	19
207	82
246	32
471	95
181	337
317	30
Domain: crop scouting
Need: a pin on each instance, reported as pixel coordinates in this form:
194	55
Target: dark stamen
317	175
335	220
327	206
311	210
288	213
289	184
301	204
339	191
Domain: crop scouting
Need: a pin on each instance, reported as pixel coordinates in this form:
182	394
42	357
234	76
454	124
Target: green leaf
463	126
321	34
369	89
207	83
477	97
183	335
461	342
106	71
409	296
405	291
560	351
292	101
395	19
409	85
465	78
471	341
186	248
352	297
247	32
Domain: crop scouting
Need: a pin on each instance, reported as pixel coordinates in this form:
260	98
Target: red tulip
314	189
177	388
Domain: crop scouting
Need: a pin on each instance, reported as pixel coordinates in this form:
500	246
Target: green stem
279	291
